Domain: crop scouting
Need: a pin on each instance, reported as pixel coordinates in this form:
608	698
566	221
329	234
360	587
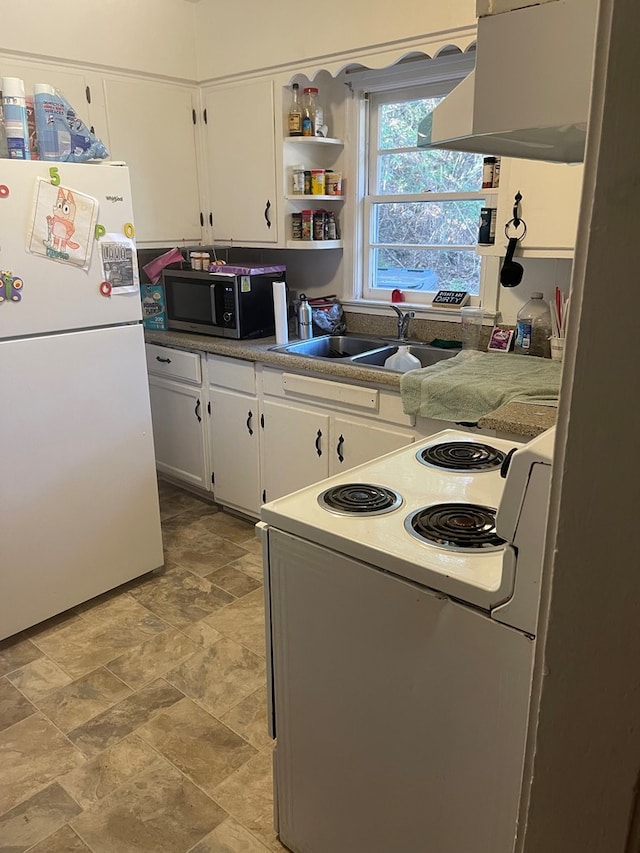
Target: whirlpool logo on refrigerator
114	198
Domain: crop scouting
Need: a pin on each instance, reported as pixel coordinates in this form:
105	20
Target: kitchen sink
369	352
332	346
426	355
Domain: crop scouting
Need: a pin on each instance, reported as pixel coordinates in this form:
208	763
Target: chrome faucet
403	322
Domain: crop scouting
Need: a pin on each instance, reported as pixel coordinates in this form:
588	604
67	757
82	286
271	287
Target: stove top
404	486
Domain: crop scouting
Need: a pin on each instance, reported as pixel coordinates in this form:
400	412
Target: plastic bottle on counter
533	328
402	360
15	118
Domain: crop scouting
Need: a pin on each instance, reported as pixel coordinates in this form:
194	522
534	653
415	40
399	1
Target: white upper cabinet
240	162
151	128
550	206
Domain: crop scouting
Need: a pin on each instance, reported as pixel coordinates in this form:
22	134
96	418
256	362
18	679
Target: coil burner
360	499
458	526
461	456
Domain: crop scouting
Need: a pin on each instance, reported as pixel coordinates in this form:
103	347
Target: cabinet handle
193	116
204	116
339	448
163	360
197	412
201	220
211	219
266	214
318	448
250	416
87	93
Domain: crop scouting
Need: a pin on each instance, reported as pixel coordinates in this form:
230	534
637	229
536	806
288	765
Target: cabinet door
354	442
234	442
239	148
178	431
151	128
550	206
295	448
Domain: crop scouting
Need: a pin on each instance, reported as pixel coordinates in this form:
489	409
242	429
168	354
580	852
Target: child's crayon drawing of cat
60	225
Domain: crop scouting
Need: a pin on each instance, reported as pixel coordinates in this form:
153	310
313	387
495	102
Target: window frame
370	89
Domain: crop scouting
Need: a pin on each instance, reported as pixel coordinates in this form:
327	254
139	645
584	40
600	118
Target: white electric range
402	600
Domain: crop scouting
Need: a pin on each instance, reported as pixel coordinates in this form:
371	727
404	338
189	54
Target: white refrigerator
78	488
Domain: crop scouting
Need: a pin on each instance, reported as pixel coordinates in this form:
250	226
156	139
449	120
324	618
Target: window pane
426	269
429	171
399	122
443	223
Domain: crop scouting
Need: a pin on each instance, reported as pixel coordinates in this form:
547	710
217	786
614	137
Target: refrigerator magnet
10	287
4	190
105	288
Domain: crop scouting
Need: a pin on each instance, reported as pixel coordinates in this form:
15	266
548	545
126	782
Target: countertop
523	419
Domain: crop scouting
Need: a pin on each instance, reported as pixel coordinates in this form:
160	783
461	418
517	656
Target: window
421	207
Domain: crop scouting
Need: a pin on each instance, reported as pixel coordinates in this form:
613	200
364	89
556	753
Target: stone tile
32	754
153	658
233	580
100	776
249	719
201	552
158	812
13	705
229	526
250	564
201	633
248	795
106	632
201	747
174	501
39	678
83	699
35	819
16	652
180	598
63	841
230	837
253	545
116	723
219	676
243	621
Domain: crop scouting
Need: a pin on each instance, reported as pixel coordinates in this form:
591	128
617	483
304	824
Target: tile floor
136	723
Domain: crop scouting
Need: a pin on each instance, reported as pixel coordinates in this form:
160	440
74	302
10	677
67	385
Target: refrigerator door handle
262	532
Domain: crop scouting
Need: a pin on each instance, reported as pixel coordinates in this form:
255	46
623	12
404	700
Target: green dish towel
473	384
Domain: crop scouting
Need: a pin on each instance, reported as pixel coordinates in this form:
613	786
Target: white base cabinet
177	414
234	434
313	428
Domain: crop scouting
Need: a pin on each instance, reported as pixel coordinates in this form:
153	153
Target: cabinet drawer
231	373
173	363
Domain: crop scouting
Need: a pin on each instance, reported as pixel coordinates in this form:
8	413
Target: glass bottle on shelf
295	113
312	113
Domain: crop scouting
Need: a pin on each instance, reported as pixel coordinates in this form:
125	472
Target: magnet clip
105	288
4	190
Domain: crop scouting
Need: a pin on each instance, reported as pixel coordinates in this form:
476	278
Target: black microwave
232	302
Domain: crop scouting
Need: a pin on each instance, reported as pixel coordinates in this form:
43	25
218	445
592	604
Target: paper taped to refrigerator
119	263
63	224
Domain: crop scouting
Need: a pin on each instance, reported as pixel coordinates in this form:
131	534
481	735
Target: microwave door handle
212	293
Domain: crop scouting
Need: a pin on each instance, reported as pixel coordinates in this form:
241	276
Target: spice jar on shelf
297	180
307	224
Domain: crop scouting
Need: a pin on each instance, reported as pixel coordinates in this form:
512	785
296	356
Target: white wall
541	274
246	35
153	36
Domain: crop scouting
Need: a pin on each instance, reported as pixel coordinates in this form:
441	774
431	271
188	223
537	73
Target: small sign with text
450	299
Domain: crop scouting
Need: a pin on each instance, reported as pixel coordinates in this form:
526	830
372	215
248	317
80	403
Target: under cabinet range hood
529	94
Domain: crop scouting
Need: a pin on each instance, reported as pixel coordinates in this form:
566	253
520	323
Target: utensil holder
557	348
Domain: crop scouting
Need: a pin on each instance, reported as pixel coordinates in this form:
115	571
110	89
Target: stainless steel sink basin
426	355
369	352
332	346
